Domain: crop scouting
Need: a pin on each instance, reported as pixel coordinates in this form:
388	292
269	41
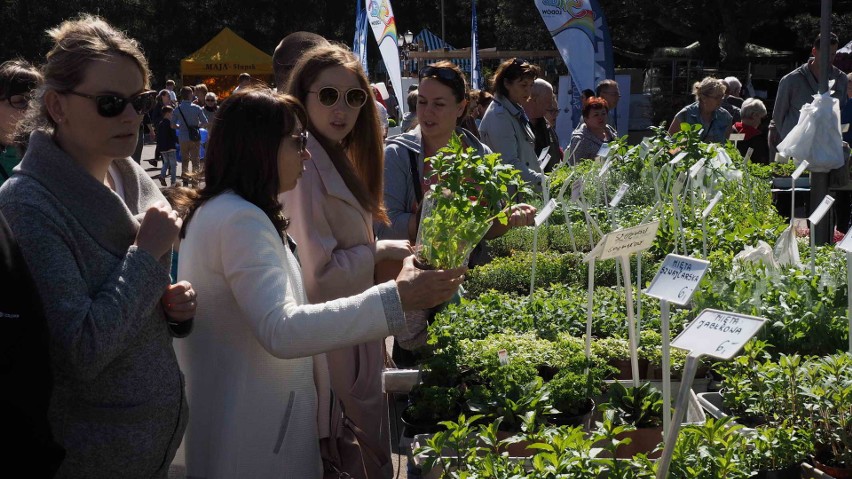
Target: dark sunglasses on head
301	141
113	105
329	96
520	62
18	102
444	73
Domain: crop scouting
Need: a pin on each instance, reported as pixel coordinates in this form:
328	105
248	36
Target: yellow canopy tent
219	63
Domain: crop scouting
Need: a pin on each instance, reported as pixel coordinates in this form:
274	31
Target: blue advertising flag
359	44
475	65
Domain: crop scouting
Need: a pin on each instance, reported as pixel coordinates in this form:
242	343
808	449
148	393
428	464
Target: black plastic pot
584	418
790	472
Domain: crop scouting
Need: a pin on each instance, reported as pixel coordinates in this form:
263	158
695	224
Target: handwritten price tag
677	279
629	240
718	334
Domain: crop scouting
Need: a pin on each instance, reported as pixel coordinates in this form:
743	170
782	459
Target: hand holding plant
471	192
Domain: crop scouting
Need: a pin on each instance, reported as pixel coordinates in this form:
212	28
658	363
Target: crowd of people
261	345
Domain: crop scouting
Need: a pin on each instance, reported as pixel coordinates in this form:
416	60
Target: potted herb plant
778	452
641	407
471	191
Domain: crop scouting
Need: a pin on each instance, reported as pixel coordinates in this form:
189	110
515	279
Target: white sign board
630	240
737	137
846	243
603	152
677	279
718	334
545	212
821	210
618	195
694	169
801	169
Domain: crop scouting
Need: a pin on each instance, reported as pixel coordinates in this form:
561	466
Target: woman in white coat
259	399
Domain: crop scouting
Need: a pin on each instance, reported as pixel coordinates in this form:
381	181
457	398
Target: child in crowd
166	143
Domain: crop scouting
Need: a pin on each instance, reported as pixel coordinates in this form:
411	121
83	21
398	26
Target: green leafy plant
470	192
714	450
640	406
778	448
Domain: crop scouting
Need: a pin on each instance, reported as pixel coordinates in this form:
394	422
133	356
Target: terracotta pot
643	440
625	371
835	472
583	419
518	449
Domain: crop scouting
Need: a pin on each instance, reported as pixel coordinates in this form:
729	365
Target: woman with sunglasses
257	378
17	81
332	212
707	111
505	127
441	105
97	235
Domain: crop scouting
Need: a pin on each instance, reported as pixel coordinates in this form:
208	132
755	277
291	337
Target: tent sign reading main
718	334
224	67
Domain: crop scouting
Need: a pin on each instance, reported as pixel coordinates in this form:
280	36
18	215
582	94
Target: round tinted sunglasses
18	102
110	106
329	96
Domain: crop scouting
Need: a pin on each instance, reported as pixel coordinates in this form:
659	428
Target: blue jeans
169	162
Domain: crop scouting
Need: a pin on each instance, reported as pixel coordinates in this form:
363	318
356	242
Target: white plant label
821	210
605	167
711	205
677	159
694	169
603	152
503	357
844	127
718	334
737	137
595	253
543	158
679	183
618	195
630	240
801	169
576	190
561	195
748	154
677	279
846	243
779	158
545	212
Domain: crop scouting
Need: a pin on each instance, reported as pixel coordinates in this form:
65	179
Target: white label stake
704	215
846	245
814	220
618	195
714	333
675	282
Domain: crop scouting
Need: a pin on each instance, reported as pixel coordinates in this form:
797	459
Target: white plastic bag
760	254
816	137
787	248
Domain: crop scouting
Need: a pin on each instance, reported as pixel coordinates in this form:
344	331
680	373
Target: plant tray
713	403
810	472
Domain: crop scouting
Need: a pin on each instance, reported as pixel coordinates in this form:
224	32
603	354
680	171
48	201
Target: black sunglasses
329	96
110	106
302	140
444	73
520	62
18	102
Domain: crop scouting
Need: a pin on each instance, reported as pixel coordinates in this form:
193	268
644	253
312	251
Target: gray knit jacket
118	405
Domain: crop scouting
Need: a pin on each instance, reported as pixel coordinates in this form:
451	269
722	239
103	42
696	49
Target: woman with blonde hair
707	111
97	236
332	212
